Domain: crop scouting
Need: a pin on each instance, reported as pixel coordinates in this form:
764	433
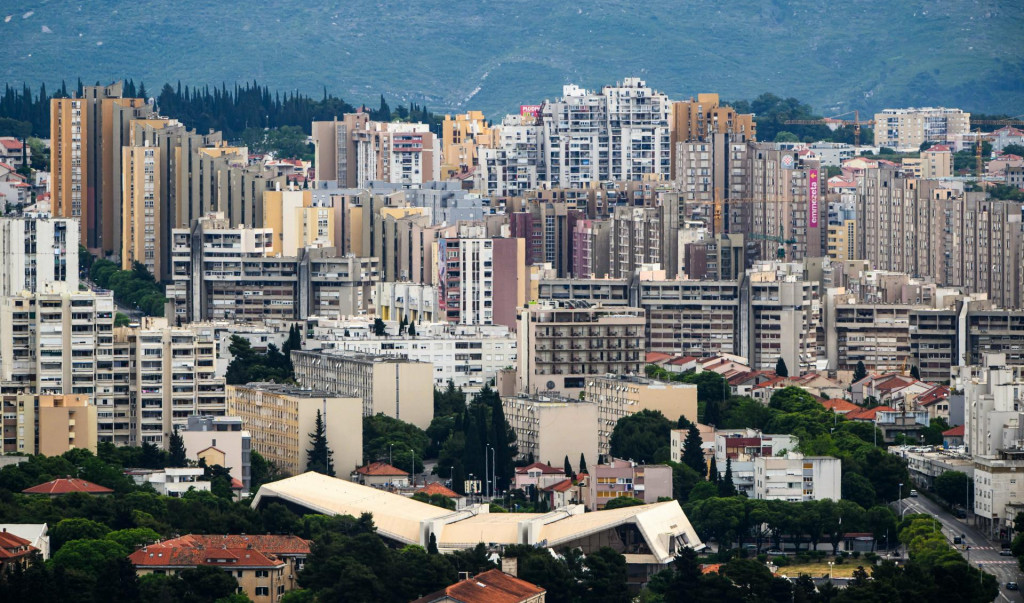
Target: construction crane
717	221
827	121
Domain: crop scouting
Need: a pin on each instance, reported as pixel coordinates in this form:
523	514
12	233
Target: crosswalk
1000	562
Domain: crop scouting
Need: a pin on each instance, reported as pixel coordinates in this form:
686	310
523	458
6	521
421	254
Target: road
983	550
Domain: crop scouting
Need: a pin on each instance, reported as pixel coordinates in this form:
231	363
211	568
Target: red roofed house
381	475
537	475
492	586
560	494
11	149
840	407
935	401
438	488
14	550
264	565
67	485
953	438
866	414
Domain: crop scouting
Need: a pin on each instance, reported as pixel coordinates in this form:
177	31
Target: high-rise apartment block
618	397
550	428
49	425
698	120
560	345
356	150
38	254
481	281
463	135
907	129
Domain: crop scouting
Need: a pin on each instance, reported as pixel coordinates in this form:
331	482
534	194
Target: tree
178	457
583	464
379	328
623	501
914	372
319	456
567	467
75	528
955	487
725	486
88	556
713	475
780	367
642	437
262	471
693	451
132	538
605	580
860	371
412	329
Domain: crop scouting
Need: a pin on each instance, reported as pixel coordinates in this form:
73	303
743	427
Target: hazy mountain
494	55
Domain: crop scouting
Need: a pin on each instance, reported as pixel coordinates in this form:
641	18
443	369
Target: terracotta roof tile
955	432
380	468
492	586
67	485
439	488
544	468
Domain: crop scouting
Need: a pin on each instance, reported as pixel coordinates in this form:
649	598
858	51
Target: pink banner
529	110
812	197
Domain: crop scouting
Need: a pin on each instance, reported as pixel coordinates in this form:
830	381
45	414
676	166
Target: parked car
958	540
1006	553
913	494
774	553
1012	586
961	513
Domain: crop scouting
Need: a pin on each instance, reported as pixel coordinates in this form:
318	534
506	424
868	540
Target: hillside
458	54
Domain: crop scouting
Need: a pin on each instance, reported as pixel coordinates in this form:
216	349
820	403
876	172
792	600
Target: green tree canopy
642	437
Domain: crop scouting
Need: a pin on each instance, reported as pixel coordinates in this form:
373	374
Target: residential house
438	488
14	550
625	478
381	475
492	586
737	449
537	475
67	485
171	481
953	437
37	534
560	494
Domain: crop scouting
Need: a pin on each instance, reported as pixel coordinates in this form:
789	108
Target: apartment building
83	150
295	221
618	134
512	167
691	317
737	449
220	441
413	301
642	236
462	136
547	227
935	162
48	425
714	168
783	318
697	120
842	239
38	254
787	213
619	478
550	429
618	397
355	150
796	478
396	387
331	286
481	281
280	418
721	257
907	129
142	212
873	333
468	356
561	345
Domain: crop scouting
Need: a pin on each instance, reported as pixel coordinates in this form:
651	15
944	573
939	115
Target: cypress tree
780	368
726	486
319	456
567	466
693	453
713	472
583	464
178	456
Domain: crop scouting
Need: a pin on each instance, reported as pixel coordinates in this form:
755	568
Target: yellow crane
827	121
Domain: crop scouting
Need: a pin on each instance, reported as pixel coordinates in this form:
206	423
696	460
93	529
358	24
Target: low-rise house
840	406
381	475
560	494
537	475
37	534
67	485
936	402
438	488
171	481
265	566
14	550
796	478
737	449
625	478
492	586
954	437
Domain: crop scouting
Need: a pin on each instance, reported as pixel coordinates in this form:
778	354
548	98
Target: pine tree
567	466
319	456
713	471
583	464
432	545
860	371
379	328
178	456
402	326
693	452
725	485
916	374
780	368
412	329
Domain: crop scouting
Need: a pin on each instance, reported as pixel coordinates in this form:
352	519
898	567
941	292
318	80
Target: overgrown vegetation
247	365
135	288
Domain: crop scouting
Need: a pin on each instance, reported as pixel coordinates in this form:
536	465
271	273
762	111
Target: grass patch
816	570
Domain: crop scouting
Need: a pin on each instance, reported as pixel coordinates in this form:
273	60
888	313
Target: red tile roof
380	468
868	414
562	486
492	586
438	488
938	148
840	406
956	432
163	555
544	468
13	546
276	544
683	360
12	144
67	485
936	394
656	357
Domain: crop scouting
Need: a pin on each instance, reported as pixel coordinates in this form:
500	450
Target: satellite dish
551	385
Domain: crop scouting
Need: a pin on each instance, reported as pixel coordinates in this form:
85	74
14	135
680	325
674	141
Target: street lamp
830	564
412	468
902	508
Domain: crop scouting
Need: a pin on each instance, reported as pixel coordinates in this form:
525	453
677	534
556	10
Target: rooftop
381	468
67	485
492	586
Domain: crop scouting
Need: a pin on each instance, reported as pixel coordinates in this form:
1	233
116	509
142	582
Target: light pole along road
982	550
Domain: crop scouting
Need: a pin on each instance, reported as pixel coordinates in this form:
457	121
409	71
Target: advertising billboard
812	198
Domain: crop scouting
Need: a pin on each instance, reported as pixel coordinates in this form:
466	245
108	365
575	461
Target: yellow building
618	397
462	136
141	213
842	241
287	212
936	162
694	120
280	417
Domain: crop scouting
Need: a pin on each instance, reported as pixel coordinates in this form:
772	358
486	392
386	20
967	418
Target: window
262	573
262	591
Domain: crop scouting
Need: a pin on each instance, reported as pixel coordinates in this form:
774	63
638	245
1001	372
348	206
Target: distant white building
172	481
741	447
37	534
796	478
219	441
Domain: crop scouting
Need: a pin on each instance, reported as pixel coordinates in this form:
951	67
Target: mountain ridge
454	56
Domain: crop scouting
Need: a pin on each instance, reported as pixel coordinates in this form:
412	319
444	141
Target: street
983	551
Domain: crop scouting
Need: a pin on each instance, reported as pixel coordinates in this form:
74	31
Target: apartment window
262	591
262	573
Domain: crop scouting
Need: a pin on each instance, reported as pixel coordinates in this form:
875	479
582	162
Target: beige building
47	425
142	212
550	429
397	387
280	418
462	135
356	151
936	162
907	129
296	223
842	239
783	318
623	396
561	345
